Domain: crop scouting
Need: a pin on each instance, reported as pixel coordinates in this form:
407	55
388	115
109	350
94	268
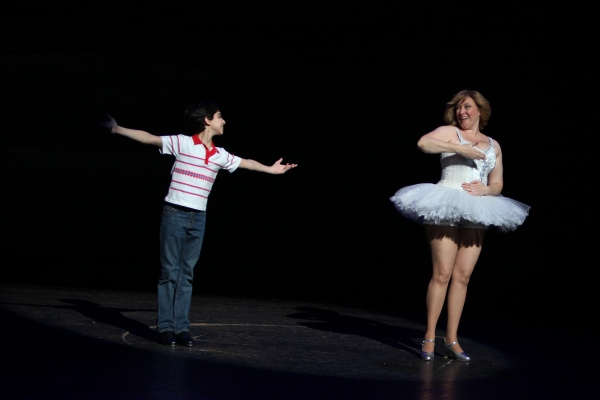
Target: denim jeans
181	234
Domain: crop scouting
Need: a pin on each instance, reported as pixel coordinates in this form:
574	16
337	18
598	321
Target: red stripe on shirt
196	165
221	166
189	184
229	161
191	156
199	158
193	194
191	174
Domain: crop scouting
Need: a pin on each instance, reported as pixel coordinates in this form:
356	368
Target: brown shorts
462	224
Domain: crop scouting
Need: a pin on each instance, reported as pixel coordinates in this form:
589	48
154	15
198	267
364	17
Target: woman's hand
471	152
475	188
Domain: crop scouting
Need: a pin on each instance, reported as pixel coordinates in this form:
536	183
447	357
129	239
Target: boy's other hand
279	168
111	124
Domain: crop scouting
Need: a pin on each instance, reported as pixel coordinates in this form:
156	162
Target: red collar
210	152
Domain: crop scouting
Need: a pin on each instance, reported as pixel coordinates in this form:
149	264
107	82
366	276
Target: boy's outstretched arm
137	135
277	168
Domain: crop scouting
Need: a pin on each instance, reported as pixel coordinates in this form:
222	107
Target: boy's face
216	124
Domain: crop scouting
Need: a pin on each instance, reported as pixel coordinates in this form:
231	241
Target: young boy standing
197	162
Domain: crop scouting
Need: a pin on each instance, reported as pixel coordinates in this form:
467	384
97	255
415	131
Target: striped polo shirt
195	169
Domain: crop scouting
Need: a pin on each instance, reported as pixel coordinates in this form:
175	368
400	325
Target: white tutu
440	205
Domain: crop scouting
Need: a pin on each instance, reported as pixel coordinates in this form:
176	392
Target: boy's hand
279	168
111	124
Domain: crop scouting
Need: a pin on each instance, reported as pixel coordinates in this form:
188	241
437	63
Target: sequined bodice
457	169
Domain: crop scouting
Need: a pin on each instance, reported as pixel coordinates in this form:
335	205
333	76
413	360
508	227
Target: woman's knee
442	277
461	278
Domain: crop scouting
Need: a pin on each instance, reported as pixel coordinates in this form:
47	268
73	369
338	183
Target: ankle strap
428	340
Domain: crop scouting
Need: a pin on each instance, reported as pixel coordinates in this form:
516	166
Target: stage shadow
105	315
332	321
47	362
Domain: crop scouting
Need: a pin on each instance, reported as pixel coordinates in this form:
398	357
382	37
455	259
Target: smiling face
467	114
216	124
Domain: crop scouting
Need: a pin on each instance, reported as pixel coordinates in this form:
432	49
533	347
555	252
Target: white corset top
457	169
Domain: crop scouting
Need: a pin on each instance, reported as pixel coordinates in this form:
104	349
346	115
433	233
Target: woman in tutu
458	209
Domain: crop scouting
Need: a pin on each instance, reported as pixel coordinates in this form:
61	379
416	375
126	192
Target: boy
197	162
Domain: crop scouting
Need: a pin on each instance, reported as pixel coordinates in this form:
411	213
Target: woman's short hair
482	104
196	112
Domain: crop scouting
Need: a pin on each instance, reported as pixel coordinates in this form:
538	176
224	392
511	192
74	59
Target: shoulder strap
459	135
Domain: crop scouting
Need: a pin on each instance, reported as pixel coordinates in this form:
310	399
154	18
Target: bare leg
466	258
444	249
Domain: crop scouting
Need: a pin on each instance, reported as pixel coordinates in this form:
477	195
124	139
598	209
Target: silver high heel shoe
454	355
427	355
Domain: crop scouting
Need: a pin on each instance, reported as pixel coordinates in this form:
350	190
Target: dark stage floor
63	343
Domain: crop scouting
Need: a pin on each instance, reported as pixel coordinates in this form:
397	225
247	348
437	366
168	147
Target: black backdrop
345	92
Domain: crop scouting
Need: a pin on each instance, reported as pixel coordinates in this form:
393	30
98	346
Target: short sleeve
171	145
231	162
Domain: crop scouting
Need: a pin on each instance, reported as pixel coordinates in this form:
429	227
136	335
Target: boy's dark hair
196	112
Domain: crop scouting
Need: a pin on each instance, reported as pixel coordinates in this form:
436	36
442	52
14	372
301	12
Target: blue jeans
181	235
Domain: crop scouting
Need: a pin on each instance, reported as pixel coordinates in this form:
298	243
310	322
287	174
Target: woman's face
467	114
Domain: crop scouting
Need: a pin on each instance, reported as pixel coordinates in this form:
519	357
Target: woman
458	209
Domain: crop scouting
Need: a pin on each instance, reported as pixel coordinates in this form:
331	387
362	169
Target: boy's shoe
184	339
167	338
